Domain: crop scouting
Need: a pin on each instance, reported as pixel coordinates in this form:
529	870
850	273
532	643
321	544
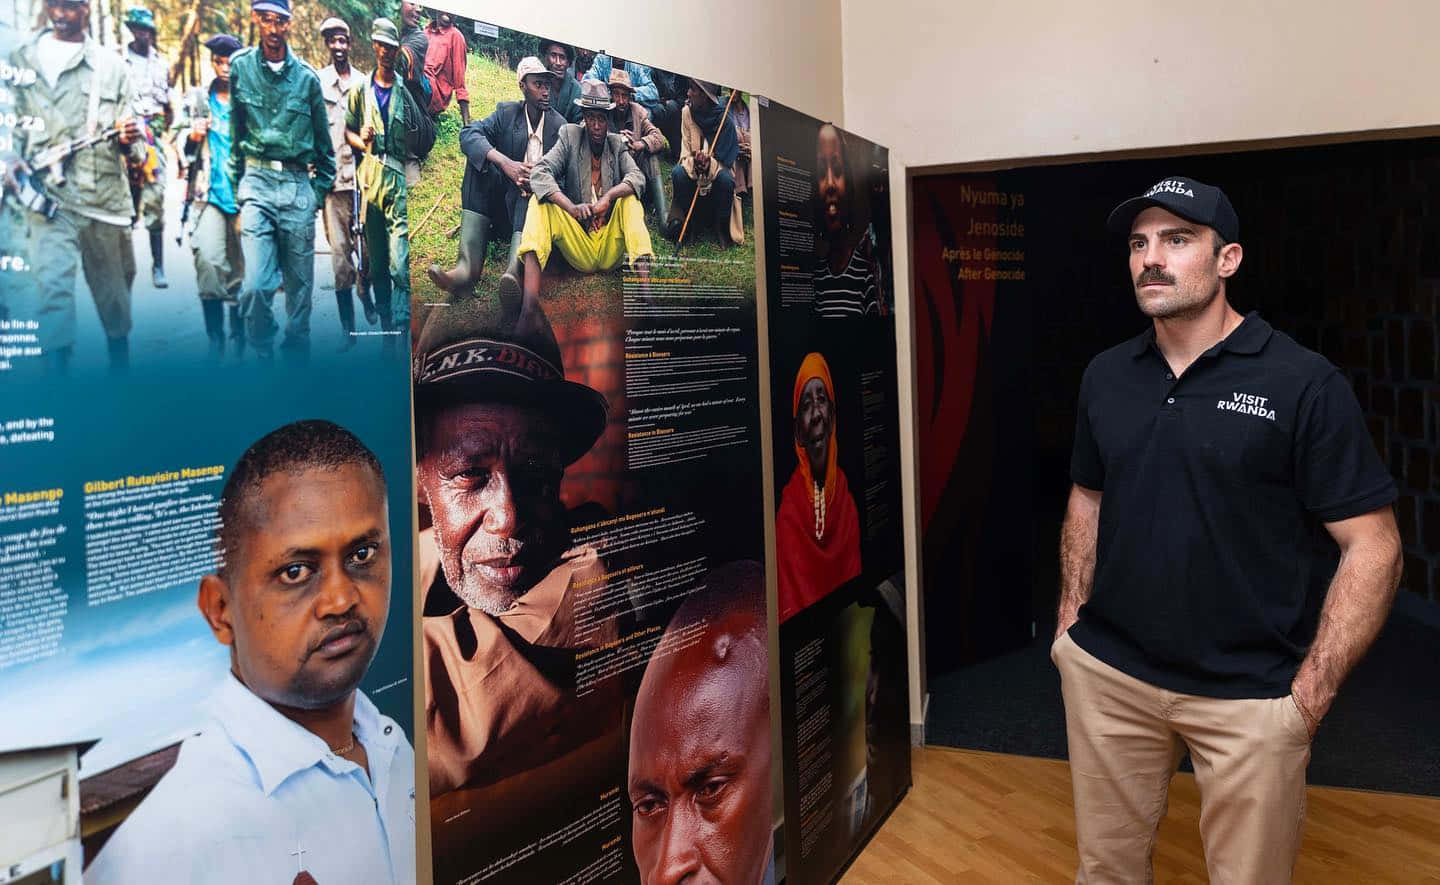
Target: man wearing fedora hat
586	200
496	425
377	117
214	216
1196	612
150	77
283	165
709	146
501	151
646	141
343	203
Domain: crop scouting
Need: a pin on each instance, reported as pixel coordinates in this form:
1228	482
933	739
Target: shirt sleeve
1086	467
320	139
1338	473
457	64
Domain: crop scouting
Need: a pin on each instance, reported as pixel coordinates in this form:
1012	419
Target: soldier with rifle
343	208
211	213
150	82
82	96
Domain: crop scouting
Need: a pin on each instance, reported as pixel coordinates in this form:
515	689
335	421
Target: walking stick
694	198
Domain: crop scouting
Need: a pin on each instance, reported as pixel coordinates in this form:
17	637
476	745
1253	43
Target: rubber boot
345	304
510	279
656	183
157	258
237	332
474	240
119	353
214	313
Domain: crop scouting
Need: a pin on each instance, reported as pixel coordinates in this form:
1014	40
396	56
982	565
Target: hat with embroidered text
477	350
1190	199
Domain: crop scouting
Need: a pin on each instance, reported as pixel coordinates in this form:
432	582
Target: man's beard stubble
1182	305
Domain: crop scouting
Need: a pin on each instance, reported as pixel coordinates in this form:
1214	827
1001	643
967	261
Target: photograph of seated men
699	775
296	776
586	202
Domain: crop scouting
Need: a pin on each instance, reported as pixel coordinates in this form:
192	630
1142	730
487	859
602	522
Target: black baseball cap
1190	199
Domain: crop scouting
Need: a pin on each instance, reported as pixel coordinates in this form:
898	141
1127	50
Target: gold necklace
346	748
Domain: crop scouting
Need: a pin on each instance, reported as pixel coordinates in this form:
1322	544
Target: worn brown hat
480	350
531	66
621	77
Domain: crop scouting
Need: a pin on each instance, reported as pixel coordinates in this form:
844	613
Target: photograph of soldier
817	527
632	121
703	179
279	132
500	152
83	97
342	204
377	119
445	63
496	426
150	86
410	65
847	271
559	58
210	210
699	771
315	784
586	200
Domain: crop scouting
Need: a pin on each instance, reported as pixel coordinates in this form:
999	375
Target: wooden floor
987	817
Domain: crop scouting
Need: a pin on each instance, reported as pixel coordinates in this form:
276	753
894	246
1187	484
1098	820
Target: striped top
853	292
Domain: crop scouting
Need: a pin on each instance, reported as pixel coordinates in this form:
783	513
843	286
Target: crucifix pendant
299	855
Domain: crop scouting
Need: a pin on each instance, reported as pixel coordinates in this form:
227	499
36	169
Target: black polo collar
1248	338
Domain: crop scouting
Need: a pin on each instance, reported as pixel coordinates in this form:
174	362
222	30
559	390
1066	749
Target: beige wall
949	82
787	50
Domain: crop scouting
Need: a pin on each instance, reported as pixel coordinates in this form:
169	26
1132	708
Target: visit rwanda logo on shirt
1247	404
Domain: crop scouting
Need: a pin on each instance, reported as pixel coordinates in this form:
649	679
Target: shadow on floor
1383	732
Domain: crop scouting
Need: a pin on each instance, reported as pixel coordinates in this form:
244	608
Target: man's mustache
343	628
1154	275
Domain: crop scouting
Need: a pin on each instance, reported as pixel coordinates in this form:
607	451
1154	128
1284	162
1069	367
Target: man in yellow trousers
586	201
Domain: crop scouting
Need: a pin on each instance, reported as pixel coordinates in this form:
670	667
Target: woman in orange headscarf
817	529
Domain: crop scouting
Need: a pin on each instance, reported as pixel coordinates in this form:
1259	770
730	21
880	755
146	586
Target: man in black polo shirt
1209	450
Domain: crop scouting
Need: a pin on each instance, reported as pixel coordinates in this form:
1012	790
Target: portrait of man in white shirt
295	776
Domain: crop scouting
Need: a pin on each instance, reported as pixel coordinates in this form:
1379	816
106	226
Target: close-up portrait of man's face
490	474
699	781
813	421
305	590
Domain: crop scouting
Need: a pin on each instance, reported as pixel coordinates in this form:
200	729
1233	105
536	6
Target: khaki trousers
1127	737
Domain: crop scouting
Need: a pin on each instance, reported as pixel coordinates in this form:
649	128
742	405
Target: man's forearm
623	189
1355	609
1078	535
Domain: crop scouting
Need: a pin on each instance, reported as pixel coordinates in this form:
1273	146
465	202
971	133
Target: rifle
49	165
199	109
357	245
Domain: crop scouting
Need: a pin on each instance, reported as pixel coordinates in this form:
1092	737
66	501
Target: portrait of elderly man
296	776
817	528
704	177
497	424
699	774
632	121
586	201
500	153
